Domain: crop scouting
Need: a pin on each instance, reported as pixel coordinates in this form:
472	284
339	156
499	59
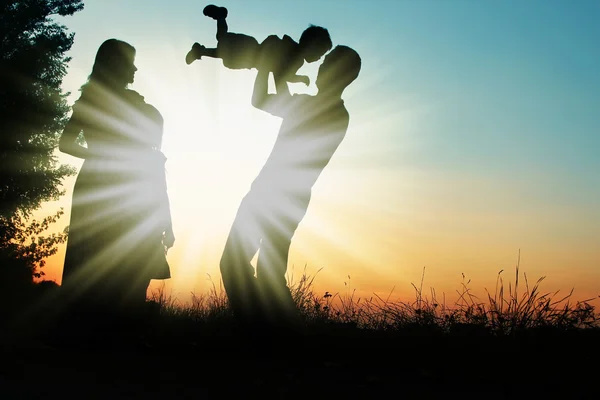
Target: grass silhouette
505	312
518	342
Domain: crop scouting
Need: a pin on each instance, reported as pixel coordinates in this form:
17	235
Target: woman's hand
168	239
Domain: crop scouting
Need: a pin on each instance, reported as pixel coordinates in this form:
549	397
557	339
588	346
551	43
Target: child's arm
299	79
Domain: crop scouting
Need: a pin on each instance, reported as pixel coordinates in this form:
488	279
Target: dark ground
192	360
176	356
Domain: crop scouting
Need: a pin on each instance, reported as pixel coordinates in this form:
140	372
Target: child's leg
215	12
219	14
212	53
222	28
198	51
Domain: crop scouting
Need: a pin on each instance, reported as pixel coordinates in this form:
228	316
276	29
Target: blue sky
482	117
514	84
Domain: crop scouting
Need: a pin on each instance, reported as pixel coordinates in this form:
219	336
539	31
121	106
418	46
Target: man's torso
309	135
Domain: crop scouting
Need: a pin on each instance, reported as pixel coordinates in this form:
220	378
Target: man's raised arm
272	103
260	95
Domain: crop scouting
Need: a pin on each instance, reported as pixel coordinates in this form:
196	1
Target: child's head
314	42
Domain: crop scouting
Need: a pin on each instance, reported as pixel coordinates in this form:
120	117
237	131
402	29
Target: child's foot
195	53
215	12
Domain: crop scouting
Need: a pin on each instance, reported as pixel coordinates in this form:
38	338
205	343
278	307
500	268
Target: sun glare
216	142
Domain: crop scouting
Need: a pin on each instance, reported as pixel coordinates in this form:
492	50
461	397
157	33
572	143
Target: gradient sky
474	132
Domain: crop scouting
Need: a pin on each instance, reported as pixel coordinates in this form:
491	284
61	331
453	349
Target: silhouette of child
281	56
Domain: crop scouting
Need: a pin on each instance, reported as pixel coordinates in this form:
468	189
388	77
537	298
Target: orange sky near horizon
381	241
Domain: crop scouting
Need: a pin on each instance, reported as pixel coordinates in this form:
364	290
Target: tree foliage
33	111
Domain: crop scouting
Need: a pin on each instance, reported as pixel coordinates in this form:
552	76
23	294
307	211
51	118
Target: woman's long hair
105	98
111	66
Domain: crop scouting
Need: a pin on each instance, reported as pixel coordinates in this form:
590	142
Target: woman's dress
115	245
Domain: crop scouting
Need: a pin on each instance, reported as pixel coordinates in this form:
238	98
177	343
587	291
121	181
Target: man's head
339	69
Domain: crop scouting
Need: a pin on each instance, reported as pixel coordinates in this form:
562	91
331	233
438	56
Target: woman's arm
68	139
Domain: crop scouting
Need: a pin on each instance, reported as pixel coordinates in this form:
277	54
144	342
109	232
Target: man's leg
236	270
273	259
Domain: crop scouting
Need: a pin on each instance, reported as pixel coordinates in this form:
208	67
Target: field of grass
509	310
518	342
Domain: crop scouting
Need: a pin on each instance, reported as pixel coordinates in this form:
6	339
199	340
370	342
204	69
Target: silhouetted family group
121	229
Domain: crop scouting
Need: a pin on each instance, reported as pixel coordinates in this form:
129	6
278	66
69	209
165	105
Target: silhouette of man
311	131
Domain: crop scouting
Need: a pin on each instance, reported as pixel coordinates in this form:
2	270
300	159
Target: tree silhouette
33	111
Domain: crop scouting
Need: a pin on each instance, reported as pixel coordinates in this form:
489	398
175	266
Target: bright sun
215	142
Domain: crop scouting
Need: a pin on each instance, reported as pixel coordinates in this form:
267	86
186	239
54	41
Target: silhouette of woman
120	225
